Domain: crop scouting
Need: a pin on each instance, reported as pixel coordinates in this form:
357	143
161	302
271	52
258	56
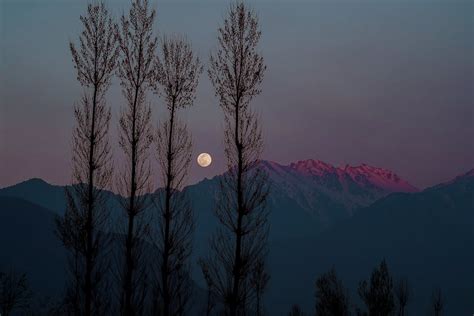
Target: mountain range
321	216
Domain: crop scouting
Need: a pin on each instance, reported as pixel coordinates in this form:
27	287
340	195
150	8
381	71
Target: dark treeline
14	292
380	295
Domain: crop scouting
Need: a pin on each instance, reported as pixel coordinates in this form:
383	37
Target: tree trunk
89	220
128	287
167	218
238	242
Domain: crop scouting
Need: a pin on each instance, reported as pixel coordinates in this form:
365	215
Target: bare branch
81	228
137	47
177	73
239	247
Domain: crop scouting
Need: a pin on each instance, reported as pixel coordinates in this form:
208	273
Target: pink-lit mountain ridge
311	193
315	224
322	189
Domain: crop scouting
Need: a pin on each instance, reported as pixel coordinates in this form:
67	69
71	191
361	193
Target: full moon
204	160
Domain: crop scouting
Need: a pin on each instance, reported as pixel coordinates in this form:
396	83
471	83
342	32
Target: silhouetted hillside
38	192
427	237
28	243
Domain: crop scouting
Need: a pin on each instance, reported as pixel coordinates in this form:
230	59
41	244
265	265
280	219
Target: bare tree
296	311
259	281
49	306
210	302
437	302
402	293
80	229
236	72
136	71
332	298
14	292
378	293
177	74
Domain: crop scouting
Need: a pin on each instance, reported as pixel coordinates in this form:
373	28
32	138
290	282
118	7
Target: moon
204	160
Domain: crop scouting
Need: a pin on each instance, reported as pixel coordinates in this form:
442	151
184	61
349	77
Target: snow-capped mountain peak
310	166
363	175
378	177
318	186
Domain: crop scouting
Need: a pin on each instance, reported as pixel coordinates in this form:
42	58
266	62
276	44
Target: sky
388	83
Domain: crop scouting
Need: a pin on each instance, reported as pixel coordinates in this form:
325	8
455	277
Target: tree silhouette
402	293
15	293
136	72
378	293
295	311
259	281
236	72
210	302
332	298
437	302
80	229
177	74
49	306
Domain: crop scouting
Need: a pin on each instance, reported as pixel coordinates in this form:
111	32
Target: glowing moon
204	160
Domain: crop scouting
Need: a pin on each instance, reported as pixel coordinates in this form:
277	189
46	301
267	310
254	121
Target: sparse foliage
236	72
378	293
15	293
81	227
177	74
136	72
332	298
437	302
402	293
296	311
210	302
259	281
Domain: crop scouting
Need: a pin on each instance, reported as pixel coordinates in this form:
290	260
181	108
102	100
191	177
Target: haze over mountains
321	215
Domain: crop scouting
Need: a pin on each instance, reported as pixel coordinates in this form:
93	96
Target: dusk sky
387	83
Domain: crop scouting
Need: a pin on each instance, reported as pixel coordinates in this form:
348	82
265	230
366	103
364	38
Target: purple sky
389	83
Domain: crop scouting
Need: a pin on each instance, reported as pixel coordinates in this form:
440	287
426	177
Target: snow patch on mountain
321	188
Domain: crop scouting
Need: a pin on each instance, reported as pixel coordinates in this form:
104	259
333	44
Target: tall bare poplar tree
236	72
403	295
210	287
177	74
332	298
259	281
15	293
437	302
377	293
86	215
137	46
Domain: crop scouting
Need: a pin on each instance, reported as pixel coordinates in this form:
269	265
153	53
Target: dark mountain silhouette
39	192
28	243
320	189
310	195
425	236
